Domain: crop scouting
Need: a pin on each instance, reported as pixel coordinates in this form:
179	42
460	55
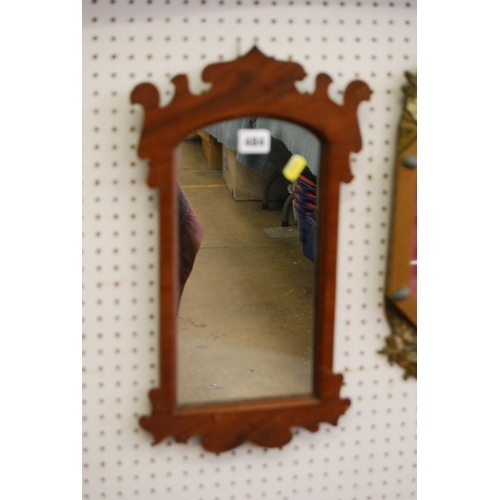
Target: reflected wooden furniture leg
286	210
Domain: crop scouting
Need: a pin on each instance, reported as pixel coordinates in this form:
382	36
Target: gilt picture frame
401	285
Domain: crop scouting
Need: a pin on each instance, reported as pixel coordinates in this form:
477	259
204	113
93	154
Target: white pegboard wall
371	454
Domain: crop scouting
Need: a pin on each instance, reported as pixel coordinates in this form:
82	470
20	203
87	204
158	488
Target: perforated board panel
371	454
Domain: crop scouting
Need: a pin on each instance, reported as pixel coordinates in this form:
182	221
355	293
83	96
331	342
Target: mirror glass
246	313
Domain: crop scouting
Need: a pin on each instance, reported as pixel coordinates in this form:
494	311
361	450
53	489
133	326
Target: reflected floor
245	327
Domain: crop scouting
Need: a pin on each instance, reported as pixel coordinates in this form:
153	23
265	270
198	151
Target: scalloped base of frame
223	427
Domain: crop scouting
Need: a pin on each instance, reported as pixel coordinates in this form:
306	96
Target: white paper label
254	141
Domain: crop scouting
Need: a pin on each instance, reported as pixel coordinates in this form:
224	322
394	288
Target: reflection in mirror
246	314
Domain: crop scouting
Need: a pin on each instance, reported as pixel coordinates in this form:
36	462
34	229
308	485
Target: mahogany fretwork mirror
251	87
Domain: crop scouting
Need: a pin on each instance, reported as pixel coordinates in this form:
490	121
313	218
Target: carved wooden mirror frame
401	294
252	85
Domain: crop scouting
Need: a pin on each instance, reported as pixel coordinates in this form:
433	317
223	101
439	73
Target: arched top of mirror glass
253	85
